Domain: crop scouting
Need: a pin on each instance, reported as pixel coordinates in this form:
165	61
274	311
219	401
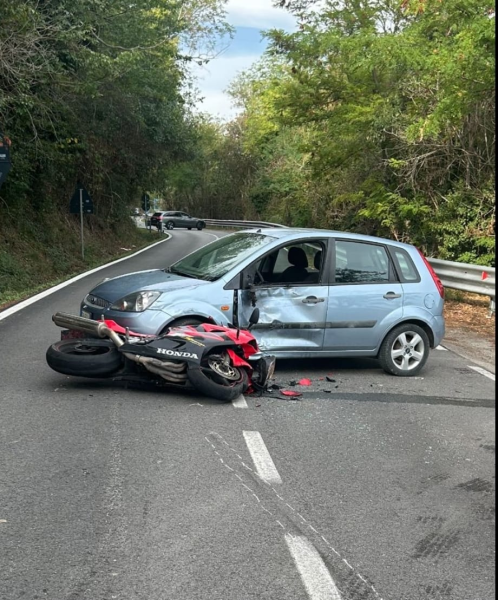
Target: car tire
189	228
200	225
84	358
405	350
170	225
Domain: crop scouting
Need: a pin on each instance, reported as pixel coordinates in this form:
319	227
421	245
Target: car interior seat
317	263
297	272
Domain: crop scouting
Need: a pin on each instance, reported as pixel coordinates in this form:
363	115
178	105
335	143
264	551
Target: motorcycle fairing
180	348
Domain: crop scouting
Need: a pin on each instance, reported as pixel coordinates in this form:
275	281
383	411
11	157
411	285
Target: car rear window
407	269
158	214
360	262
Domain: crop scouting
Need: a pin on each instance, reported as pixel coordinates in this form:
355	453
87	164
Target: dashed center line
263	462
314	574
240	402
482	371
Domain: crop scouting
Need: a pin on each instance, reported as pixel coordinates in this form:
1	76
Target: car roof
290	233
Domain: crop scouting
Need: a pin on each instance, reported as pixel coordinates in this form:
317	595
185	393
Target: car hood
116	288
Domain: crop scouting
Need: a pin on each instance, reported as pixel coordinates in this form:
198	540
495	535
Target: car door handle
391	296
312	300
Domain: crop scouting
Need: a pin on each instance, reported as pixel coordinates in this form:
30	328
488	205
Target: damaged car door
289	288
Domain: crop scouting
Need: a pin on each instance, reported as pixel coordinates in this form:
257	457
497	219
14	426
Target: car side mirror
254	318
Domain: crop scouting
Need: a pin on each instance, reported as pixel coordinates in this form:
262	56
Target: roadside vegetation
97	91
34	259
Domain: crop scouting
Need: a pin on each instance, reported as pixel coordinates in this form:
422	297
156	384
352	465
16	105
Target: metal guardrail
458	276
242	224
467	278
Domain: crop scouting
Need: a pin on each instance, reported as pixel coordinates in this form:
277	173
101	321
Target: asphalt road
367	487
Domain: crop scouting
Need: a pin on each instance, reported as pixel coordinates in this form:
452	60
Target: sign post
81	203
146	207
81	223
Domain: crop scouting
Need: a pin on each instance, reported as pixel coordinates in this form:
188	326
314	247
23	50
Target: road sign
81	204
5	163
81	196
146	202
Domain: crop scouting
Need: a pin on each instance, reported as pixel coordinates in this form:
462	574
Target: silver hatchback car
320	293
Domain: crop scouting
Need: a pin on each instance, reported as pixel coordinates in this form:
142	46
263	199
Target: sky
249	18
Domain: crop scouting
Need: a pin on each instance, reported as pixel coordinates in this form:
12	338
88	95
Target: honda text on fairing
220	362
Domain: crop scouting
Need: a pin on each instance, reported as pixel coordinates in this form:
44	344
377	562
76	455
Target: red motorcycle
220	362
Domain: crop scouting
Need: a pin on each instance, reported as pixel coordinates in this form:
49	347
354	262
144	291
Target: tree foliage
97	90
378	117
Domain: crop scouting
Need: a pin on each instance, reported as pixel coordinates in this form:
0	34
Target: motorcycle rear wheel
84	358
212	384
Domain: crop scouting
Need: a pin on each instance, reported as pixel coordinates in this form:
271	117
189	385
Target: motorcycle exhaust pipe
174	372
173	378
86	326
159	364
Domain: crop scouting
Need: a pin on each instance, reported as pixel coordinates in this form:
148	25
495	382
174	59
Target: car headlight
136	302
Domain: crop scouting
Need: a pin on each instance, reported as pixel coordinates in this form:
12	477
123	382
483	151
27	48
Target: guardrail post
491	307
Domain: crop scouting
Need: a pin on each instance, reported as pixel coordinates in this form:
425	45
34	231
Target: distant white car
170	219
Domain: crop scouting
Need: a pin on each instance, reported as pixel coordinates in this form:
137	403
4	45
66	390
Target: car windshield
216	259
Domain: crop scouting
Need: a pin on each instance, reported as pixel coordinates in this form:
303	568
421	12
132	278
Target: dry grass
469	312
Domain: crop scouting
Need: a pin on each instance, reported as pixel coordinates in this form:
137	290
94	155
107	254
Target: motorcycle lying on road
220	362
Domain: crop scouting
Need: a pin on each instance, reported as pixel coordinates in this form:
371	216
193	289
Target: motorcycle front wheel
218	379
84	358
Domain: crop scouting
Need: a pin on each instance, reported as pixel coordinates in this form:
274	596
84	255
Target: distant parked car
171	219
320	293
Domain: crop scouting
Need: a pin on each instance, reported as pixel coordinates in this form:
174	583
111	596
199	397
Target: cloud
214	78
248	17
260	14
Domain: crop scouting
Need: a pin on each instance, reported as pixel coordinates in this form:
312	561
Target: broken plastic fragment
290	393
304	381
330	379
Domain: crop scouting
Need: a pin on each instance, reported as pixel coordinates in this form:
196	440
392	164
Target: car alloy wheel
405	350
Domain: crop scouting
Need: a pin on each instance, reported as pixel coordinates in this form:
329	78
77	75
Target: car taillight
437	281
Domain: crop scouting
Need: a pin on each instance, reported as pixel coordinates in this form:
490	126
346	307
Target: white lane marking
261	457
441	348
315	575
13	309
482	371
214	235
239	402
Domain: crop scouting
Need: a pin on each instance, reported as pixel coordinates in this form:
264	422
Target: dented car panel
289	317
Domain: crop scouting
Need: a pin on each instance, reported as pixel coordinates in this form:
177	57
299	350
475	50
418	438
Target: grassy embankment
37	255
